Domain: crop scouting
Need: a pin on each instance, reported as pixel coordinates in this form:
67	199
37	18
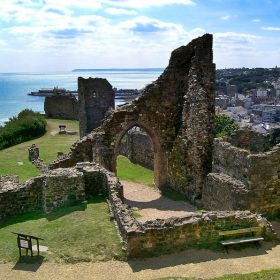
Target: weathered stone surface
61	187
21	198
155	237
33	152
46	192
222	192
8	180
249	139
96	98
138	149
62	106
177	112
259	172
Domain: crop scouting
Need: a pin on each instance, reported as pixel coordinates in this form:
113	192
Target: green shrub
26	126
224	125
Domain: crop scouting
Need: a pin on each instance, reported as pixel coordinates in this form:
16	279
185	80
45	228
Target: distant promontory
120	69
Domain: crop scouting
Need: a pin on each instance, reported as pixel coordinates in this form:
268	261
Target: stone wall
17	198
62	187
96	98
223	192
251	140
161	236
62	107
138	148
176	111
139	239
42	193
242	171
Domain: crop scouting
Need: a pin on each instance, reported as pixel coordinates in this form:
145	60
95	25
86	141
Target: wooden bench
24	241
241	240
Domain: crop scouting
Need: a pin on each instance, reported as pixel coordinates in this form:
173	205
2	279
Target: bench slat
240	241
239	231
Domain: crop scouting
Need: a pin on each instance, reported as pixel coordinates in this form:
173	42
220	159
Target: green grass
172	194
273	274
126	170
82	232
14	160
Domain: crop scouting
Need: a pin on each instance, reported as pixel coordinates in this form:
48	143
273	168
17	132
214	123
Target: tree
224	125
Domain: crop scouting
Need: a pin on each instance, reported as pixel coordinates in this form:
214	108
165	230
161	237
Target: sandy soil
152	205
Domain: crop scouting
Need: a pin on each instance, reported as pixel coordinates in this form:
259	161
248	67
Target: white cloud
84	4
256	20
225	17
2	43
271	28
119	11
236	38
146	3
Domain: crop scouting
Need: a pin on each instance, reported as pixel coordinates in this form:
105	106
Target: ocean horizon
14	87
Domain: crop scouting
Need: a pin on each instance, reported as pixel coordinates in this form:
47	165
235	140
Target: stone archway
159	160
178	113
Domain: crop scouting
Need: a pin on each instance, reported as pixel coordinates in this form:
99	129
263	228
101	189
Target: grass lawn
77	233
126	170
14	160
273	274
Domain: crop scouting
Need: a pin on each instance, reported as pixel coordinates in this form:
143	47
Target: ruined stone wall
165	236
42	193
96	97
17	198
223	192
231	160
256	173
176	111
264	181
138	148
62	107
139	239
62	187
249	139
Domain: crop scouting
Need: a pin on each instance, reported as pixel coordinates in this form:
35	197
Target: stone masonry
63	186
245	178
137	147
96	97
62	106
176	111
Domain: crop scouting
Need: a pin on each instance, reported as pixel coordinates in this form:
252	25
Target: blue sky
60	35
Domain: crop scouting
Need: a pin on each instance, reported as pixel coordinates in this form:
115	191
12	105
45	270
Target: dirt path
152	205
191	263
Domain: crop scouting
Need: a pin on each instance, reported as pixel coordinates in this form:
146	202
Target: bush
26	126
224	125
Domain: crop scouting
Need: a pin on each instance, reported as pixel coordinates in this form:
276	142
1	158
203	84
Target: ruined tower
96	97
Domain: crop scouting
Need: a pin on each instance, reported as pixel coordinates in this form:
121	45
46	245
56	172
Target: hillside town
250	96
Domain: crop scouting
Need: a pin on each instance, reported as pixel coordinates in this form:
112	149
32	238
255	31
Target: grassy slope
273	274
129	171
78	233
48	144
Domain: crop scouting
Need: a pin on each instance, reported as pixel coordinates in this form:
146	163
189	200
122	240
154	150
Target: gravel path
152	205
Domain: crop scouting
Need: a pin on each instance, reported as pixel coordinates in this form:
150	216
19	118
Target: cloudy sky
60	35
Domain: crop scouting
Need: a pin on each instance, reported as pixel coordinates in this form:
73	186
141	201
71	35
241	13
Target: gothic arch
159	159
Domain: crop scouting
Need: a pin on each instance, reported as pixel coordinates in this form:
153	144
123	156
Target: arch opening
140	145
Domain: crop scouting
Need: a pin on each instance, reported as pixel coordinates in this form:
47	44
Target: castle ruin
176	111
96	97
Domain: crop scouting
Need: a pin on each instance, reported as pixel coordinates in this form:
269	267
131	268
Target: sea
14	87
